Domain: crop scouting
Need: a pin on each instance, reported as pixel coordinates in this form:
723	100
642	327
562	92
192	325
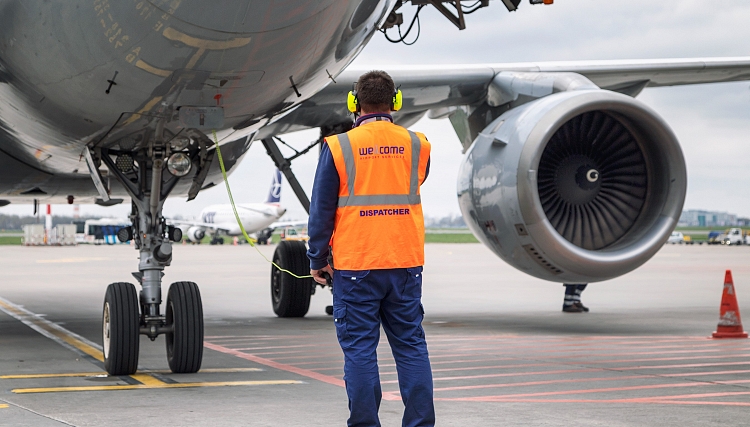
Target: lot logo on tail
274	194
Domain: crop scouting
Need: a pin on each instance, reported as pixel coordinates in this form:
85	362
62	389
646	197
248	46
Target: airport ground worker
572	302
366	207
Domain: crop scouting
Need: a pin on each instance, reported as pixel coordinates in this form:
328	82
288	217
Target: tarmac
502	352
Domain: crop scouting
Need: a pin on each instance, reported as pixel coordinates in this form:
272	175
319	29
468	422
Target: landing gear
290	296
185	319
148	170
120	334
217	240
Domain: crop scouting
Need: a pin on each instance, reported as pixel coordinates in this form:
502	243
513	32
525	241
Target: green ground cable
237	216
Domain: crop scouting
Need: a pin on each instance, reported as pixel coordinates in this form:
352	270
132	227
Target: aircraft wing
437	88
280	224
203	225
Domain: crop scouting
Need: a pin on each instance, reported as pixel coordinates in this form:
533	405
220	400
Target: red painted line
289	368
502	397
510	374
308	354
273	347
691	365
688	402
628	388
655	402
661	359
258	337
532	383
691	374
695	396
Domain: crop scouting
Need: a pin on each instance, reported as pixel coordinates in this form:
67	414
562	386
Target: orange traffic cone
730	324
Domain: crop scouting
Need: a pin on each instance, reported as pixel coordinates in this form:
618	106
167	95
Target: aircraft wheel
185	315
290	296
120	329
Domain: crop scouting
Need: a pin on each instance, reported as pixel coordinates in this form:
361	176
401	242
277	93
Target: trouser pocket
339	319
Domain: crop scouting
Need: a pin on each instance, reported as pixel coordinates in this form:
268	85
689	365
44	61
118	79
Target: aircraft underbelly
99	72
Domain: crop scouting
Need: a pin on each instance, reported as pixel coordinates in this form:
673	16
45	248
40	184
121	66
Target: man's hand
318	274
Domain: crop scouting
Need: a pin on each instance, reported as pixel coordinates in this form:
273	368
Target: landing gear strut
148	177
290	297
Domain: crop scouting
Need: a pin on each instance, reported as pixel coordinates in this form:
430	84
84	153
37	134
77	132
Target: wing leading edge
438	88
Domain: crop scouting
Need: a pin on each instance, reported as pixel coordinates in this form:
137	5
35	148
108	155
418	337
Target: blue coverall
362	301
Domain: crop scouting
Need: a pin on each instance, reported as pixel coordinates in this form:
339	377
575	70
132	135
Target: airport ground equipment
730	323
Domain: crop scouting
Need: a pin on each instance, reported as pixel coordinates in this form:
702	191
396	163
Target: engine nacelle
576	187
196	234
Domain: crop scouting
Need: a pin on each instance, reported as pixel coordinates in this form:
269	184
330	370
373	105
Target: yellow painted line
51	330
202	44
3	405
175	35
66	375
146	379
66	260
149	105
217	370
151	69
96	374
151	387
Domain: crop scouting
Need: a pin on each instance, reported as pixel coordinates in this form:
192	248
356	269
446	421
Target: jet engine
196	234
576	187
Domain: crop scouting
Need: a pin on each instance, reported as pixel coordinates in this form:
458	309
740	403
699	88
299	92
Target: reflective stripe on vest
382	199
379	222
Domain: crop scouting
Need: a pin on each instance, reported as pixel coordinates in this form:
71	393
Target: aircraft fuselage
101	73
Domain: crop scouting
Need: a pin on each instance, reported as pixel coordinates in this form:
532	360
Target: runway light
179	164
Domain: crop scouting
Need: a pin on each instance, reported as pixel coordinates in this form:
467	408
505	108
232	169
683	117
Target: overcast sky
712	122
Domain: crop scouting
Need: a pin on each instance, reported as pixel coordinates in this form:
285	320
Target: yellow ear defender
398	100
352	103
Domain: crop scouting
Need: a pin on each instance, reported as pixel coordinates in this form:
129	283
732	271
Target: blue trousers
362	301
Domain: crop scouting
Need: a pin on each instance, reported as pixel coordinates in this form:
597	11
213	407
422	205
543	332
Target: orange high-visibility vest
379	222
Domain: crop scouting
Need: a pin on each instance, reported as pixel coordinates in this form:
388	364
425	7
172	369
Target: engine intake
578	186
196	234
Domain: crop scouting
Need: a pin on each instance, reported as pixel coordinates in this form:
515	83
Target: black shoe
583	307
573	308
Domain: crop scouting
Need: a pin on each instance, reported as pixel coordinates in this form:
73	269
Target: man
572	302
366	205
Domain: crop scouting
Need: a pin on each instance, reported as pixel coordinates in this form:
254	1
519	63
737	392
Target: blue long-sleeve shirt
323	204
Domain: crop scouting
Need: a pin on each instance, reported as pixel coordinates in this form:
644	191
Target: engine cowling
576	187
196	234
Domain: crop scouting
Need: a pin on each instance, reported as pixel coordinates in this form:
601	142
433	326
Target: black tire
185	316
120	329
290	296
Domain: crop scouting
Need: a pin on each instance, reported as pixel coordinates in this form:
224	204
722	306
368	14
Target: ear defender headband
352	103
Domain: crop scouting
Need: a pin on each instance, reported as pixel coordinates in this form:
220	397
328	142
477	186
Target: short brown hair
375	91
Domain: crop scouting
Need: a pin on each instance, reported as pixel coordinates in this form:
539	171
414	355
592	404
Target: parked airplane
567	176
218	220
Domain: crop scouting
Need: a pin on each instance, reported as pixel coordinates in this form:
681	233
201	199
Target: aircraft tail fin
274	194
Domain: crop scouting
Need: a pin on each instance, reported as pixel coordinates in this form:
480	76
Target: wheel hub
106	330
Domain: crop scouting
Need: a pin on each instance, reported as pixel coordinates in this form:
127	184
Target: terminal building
698	218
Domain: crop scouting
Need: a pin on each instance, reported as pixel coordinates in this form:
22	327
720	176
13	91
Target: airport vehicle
566	175
218	220
733	236
291	233
715	237
676	237
102	231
